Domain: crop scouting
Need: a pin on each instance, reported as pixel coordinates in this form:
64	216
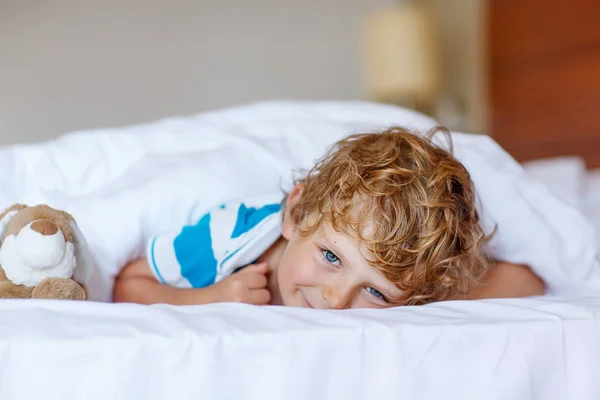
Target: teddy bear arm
9	290
58	288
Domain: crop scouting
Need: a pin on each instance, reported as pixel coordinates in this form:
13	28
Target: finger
262	268
255	280
259	297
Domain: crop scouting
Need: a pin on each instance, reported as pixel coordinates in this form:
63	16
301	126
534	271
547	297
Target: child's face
327	270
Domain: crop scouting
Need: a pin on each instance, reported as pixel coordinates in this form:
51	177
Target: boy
383	219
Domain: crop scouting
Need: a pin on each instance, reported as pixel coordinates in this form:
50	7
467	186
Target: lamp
400	56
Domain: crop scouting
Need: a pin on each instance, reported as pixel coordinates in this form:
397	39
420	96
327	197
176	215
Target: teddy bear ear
5	220
83	257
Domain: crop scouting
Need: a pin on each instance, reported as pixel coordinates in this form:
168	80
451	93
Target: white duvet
123	185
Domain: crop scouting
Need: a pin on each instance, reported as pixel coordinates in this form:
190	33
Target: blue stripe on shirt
194	252
248	218
153	261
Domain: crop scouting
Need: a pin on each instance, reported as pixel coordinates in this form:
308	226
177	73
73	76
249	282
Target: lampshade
400	54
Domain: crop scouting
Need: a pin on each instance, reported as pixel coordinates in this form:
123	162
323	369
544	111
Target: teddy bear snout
45	227
41	244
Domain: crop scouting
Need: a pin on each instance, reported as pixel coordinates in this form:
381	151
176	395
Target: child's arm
137	284
506	280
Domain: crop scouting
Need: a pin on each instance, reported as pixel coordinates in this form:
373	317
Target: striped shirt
229	237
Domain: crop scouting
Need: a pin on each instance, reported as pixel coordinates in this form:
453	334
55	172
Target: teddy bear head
39	242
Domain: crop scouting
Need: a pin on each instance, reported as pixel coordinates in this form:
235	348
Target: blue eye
330	257
375	293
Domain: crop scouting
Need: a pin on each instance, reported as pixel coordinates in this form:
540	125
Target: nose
337	298
45	227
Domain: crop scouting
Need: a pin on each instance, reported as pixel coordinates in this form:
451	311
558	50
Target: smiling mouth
307	303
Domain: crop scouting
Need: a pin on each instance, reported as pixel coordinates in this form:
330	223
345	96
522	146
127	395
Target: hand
247	286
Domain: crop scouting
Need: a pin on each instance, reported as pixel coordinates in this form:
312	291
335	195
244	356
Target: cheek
305	274
298	268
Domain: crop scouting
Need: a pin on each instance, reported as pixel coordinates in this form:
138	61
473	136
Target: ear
15	207
289	225
6	216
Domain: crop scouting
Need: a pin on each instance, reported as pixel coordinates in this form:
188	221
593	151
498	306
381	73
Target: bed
124	184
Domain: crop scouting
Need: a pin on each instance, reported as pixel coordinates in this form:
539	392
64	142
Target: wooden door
544	78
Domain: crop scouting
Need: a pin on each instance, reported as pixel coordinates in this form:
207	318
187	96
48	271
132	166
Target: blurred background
526	72
75	64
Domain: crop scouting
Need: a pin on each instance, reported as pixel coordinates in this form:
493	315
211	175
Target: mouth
306	302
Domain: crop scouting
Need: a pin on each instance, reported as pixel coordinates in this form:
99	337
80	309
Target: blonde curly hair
409	201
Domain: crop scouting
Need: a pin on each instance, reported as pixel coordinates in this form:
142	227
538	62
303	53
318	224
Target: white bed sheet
512	349
568	178
124	184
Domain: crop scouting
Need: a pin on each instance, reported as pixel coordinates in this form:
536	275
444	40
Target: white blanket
125	184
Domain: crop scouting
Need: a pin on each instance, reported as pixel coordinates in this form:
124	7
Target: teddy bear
43	254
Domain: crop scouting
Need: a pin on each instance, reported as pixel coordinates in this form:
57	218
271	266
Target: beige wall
71	64
75	64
